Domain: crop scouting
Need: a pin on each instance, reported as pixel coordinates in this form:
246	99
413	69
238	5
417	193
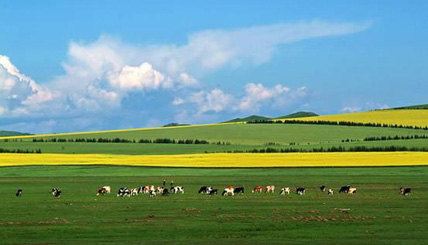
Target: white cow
228	191
285	190
270	188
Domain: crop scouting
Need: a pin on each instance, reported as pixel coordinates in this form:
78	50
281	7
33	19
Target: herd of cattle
153	191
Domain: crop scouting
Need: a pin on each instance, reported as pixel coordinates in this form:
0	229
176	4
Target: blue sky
74	65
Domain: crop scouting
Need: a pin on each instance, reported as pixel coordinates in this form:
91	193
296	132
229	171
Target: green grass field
378	214
240	136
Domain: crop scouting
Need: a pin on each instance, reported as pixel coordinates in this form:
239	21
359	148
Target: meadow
237	136
377	213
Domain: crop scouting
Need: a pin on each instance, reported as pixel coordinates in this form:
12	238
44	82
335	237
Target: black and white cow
344	189
204	189
405	191
124	192
18	193
212	192
177	189
323	188
56	192
300	191
238	190
103	190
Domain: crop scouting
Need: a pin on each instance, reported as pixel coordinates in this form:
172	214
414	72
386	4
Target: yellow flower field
399	117
224	160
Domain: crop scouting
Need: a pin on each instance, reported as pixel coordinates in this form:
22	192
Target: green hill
11	133
175	125
249	119
416	107
299	114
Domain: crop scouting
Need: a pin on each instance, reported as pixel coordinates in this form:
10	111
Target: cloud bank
101	76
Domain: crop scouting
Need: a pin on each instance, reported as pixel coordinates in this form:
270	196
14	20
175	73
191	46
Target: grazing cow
300	191
205	189
101	191
229	190
134	191
344	189
159	190
239	190
405	191
107	188
323	188
152	193
124	192
148	188
258	189
18	193
165	192
212	192
285	190
177	189
330	192
352	190
270	188
56	192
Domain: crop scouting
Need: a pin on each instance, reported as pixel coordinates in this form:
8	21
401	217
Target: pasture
377	213
240	137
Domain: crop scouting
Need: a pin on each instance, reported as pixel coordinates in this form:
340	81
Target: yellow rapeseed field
224	160
399	117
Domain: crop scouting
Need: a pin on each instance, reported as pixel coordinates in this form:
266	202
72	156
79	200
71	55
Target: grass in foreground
378	214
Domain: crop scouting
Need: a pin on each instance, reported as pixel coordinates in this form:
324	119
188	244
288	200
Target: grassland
241	137
405	117
377	215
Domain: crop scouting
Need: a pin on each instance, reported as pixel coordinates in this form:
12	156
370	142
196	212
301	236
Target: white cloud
279	95
364	107
213	101
19	94
140	77
255	97
213	49
100	75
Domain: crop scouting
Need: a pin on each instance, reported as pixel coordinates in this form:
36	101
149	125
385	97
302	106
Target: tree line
396	137
340	123
141	141
2	150
333	149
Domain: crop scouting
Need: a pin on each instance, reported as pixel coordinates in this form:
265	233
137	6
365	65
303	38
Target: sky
93	65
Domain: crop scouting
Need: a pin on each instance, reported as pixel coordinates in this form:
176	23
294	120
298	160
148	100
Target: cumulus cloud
256	95
19	94
100	75
213	101
139	77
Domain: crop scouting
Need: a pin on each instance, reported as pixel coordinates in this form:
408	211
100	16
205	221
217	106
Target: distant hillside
11	133
414	107
299	114
175	124
248	119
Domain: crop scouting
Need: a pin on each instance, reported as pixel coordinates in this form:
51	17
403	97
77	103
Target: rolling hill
299	114
11	133
249	119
